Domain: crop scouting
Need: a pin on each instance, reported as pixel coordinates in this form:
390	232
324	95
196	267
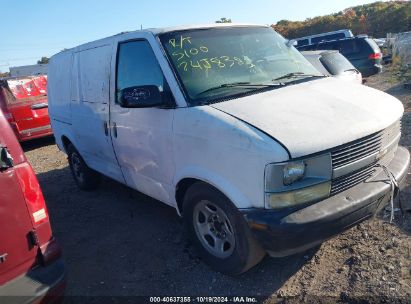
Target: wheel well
181	190
65	142
184	185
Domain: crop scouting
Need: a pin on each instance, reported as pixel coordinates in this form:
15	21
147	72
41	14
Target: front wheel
219	231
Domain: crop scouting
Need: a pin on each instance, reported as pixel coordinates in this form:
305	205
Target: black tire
86	178
245	252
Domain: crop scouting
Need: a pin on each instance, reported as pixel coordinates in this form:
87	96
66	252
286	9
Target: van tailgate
31	116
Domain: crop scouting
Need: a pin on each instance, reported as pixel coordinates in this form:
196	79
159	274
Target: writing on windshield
197	57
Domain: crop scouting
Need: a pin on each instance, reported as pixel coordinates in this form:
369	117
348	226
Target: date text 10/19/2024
235	299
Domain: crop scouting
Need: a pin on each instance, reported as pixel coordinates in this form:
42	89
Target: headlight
298	182
293	172
300	196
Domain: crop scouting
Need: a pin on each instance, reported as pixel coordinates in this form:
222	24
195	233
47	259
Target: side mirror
291	43
141	97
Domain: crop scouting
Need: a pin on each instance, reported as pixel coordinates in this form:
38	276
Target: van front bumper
285	232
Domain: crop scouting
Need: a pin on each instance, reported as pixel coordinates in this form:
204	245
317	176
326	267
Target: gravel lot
119	242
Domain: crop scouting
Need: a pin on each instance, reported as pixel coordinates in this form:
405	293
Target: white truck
235	129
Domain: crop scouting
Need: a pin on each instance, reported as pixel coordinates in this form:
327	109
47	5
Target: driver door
142	136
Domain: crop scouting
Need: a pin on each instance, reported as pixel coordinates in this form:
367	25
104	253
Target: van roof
360	37
21	77
158	31
162	30
325	34
319	52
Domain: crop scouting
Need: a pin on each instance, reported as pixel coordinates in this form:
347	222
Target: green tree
224	20
43	60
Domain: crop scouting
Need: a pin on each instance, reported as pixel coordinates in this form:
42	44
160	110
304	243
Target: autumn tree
375	19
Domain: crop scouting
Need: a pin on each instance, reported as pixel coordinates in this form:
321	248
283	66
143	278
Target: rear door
29	105
17	253
90	90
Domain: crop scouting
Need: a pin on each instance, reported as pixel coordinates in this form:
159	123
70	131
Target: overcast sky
35	28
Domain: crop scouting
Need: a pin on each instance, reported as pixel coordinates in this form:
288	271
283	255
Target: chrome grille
359	149
356	150
350	180
365	146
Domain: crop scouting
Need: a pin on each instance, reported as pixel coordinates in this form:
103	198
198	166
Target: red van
24	103
31	267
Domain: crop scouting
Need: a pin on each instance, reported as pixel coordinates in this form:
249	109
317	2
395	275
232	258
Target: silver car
333	63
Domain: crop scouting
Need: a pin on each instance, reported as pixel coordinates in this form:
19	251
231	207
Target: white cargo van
235	129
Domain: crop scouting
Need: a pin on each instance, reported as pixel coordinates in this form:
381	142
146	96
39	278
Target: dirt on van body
118	242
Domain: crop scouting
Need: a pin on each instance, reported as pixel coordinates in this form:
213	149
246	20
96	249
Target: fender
234	194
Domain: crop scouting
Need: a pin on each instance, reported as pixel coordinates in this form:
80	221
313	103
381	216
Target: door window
137	66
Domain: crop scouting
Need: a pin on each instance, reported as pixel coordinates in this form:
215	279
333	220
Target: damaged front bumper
285	232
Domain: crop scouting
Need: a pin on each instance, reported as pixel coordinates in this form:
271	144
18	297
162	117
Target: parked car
381	42
24	103
313	39
234	128
334	64
31	266
361	51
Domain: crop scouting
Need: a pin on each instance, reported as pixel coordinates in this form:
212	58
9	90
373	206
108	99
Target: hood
316	115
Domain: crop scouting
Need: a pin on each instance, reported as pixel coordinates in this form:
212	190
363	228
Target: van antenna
141	26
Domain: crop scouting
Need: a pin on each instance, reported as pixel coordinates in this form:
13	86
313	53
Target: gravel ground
119	242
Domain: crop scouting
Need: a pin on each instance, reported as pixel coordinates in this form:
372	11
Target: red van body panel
27	245
24	103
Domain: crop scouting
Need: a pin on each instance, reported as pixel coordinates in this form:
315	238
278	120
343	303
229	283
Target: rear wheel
85	177
219	231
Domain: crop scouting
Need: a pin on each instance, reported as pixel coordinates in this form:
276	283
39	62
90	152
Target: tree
224	20
375	19
43	60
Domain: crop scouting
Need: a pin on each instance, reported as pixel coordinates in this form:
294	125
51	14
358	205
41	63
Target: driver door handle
105	128
114	129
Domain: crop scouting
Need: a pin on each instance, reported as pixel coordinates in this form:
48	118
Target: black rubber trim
284	232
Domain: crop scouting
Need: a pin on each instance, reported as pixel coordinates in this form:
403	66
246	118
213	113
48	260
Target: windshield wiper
351	70
247	85
296	75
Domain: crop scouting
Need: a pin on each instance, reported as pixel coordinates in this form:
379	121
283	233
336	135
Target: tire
219	231
86	178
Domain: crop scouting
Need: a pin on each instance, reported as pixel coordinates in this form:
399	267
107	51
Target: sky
35	28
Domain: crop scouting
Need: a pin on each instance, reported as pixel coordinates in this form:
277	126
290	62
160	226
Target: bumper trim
285	232
36	284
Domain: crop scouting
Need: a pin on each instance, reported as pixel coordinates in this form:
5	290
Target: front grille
364	147
358	150
350	180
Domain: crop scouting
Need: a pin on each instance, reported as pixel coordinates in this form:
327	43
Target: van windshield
223	62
